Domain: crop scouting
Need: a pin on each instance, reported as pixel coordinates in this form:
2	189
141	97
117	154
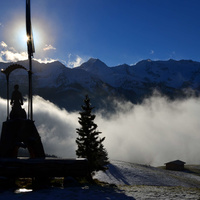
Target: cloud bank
74	61
45	60
3	44
9	54
154	132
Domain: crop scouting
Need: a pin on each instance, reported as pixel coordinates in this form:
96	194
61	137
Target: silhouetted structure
18	131
176	165
16	101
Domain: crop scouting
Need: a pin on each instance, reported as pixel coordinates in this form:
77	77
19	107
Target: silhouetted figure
16	102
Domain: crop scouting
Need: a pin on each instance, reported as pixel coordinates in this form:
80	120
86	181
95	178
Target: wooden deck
48	167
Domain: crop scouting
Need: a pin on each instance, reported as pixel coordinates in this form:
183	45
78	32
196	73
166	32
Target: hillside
67	87
127	181
124	173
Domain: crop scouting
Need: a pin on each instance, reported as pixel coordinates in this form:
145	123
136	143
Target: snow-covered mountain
67	87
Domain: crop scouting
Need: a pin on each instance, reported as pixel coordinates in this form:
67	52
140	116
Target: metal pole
30	89
7	78
31	50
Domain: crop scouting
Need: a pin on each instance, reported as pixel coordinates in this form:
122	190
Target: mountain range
66	87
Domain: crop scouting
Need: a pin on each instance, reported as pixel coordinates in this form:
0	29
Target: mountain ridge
67	87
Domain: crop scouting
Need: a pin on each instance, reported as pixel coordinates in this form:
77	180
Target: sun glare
17	35
22	37
25	38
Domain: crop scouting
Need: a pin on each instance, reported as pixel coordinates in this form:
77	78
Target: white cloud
3	44
154	132
10	56
49	47
45	60
152	52
57	128
76	62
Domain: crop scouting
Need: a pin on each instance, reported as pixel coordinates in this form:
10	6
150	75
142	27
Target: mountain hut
176	165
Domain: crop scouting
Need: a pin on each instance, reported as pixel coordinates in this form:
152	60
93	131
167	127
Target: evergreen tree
90	145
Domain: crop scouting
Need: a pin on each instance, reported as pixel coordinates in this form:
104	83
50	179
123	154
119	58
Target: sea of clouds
153	132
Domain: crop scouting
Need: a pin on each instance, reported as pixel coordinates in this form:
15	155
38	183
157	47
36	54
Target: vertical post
7	78
30	106
31	50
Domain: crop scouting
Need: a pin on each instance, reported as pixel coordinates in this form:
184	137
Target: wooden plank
43	167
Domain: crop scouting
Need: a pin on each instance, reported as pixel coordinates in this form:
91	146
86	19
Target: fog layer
154	132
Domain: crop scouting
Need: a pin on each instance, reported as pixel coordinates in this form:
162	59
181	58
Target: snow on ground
123	173
127	181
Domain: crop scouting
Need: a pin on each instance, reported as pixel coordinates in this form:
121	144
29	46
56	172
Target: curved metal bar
7	72
11	68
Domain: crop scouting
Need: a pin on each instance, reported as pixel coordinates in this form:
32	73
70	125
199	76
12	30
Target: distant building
177	165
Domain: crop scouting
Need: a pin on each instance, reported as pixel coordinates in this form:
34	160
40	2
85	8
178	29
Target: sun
23	38
16	36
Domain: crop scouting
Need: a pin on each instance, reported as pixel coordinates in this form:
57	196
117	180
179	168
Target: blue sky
115	31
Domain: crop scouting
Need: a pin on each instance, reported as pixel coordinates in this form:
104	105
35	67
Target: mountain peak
93	64
93	60
96	61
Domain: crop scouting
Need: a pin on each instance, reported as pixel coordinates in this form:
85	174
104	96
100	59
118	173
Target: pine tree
90	145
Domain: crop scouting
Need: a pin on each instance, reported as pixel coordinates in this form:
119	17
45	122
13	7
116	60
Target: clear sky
115	31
